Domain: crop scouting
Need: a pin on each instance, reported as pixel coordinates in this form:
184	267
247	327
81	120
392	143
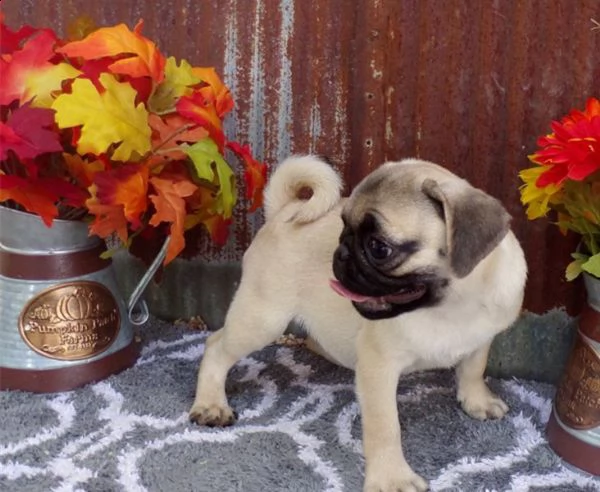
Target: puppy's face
410	229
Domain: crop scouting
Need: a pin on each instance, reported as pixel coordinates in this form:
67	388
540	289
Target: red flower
573	150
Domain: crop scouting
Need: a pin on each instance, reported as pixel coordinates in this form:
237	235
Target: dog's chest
427	339
440	338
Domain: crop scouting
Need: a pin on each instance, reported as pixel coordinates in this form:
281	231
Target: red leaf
33	58
200	108
255	175
218	227
143	86
92	69
68	193
33	195
26	133
11	41
8	140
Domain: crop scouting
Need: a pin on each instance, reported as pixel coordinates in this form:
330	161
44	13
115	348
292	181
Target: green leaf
109	253
207	161
592	266
573	270
579	256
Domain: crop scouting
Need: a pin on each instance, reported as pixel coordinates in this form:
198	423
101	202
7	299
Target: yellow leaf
176	83
40	85
107	118
536	199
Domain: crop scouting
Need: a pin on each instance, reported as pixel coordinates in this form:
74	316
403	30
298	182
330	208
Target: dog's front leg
473	394
377	374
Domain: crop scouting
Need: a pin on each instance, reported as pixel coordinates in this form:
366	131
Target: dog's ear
475	222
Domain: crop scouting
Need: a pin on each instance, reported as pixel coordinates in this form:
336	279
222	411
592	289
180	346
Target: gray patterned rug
298	430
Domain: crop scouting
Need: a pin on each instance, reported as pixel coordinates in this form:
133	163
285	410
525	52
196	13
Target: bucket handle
137	309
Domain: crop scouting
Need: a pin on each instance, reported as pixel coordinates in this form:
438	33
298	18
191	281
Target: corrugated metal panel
468	84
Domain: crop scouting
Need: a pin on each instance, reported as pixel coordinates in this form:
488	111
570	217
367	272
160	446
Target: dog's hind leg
246	330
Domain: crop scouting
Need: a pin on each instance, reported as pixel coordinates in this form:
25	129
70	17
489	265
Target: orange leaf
108	219
170	207
169	132
221	93
126	186
81	170
144	60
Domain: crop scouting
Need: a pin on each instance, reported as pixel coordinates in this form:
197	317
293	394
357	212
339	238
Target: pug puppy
415	270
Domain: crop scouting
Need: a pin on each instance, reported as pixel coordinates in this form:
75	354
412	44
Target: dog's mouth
405	295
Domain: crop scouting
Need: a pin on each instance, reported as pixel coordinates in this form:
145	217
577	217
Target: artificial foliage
565	180
103	127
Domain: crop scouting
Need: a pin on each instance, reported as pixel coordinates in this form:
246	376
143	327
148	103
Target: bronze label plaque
578	395
71	321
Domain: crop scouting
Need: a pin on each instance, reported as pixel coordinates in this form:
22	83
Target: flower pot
574	426
63	321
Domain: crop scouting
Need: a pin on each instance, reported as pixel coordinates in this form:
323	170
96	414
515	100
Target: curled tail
306	186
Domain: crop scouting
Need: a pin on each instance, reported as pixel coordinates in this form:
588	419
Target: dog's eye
378	249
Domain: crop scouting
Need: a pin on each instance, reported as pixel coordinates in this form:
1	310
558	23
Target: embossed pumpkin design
76	306
574	426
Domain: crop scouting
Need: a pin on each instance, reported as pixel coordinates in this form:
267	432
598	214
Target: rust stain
470	85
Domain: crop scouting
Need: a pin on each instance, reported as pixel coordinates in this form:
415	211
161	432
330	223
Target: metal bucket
63	322
574	426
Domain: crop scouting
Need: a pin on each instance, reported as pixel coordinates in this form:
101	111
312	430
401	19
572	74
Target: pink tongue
341	290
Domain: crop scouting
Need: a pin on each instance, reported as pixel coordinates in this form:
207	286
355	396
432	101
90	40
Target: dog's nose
342	253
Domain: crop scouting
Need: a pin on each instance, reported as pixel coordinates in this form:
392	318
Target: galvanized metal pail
63	322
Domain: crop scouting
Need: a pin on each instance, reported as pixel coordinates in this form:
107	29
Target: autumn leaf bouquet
108	130
565	179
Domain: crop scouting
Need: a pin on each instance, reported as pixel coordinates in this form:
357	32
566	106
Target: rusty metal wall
466	83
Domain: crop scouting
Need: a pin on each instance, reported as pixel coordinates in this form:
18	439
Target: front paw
395	480
482	404
212	415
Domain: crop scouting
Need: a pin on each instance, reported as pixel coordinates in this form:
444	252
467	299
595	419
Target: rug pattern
298	430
